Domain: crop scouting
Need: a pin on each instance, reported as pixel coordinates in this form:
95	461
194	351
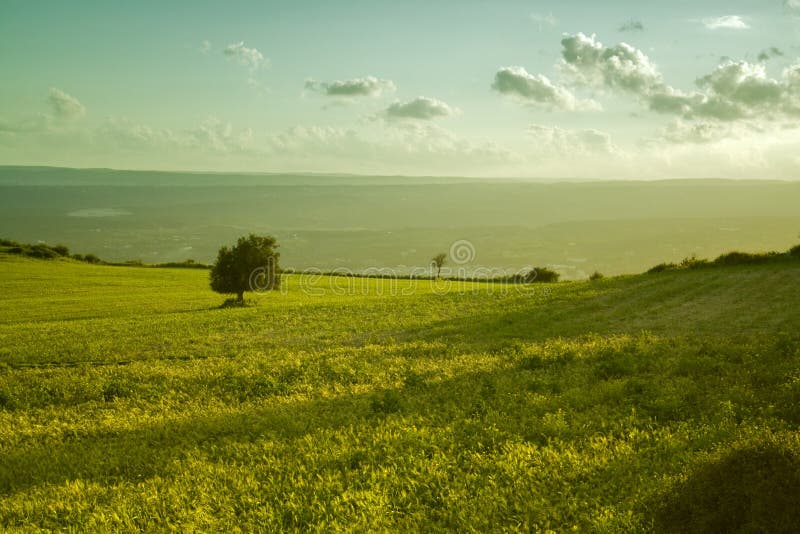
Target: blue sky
471	88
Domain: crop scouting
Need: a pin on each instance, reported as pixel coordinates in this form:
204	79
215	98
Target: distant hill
361	222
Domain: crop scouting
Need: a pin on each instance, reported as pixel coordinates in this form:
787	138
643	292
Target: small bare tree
438	262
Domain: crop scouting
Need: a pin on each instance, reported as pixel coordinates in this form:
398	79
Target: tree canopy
250	265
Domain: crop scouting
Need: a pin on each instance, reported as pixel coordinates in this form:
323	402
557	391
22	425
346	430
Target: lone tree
438	262
250	265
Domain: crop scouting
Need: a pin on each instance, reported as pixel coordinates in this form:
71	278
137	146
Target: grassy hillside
130	400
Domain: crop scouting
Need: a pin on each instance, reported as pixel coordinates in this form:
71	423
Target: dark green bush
597	275
543	274
661	267
41	251
744	258
752	487
693	262
61	250
91	258
795	251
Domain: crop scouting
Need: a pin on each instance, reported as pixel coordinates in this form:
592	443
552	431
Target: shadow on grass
724	303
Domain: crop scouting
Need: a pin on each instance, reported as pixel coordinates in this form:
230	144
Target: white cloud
367	86
538	89
205	47
544	20
729	22
735	90
622	67
249	57
421	108
65	106
555	141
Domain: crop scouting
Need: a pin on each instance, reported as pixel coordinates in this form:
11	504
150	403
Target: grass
129	400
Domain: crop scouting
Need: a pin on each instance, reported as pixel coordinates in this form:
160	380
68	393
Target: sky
567	89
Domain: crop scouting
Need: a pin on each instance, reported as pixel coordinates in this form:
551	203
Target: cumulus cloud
65	106
734	90
249	57
561	142
367	86
699	132
211	135
729	22
621	67
420	108
632	25
404	147
537	89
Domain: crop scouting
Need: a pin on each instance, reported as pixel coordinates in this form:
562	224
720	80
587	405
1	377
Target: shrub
752	487
693	262
41	251
661	267
61	250
597	275
91	258
795	251
542	274
744	258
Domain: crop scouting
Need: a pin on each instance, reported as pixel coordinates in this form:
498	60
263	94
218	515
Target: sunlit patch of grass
130	401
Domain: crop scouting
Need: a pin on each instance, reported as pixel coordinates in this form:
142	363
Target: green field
130	400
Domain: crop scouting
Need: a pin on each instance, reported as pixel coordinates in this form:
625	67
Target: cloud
205	47
421	108
793	6
554	141
621	67
65	106
735	90
212	135
544	20
367	86
537	89
729	22
249	57
631	25
744	83
769	53
703	132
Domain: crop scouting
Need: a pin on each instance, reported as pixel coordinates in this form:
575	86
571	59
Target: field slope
130	400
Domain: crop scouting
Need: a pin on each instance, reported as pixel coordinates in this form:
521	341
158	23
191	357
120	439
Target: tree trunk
240	296
438	272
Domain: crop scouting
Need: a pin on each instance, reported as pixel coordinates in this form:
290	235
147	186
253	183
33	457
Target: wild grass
129	400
